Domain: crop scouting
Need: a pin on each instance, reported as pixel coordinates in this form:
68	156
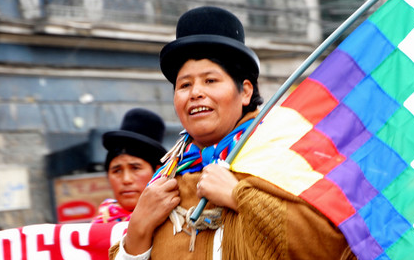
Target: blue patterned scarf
194	159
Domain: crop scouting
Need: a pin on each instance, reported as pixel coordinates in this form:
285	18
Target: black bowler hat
207	31
141	134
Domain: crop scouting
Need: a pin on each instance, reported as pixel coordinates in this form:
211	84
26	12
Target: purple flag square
360	239
349	177
345	129
339	73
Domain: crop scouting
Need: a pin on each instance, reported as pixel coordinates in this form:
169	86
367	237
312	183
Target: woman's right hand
154	206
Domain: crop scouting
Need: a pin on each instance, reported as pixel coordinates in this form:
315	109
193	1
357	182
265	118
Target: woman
216	97
134	153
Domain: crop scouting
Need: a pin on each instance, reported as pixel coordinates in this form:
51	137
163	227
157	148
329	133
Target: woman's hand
216	184
153	207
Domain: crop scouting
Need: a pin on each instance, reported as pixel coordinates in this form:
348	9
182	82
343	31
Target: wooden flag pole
285	86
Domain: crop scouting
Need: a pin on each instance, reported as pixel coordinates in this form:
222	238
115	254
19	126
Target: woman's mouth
199	109
128	193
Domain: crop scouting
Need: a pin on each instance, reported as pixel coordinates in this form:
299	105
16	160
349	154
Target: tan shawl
270	224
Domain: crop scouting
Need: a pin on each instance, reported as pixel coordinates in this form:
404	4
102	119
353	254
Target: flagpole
285	86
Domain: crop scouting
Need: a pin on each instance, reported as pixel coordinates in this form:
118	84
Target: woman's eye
136	168
116	171
184	85
210	80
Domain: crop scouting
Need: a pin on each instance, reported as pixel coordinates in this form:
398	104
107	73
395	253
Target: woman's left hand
216	184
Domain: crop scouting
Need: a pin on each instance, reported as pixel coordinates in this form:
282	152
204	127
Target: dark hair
143	152
238	73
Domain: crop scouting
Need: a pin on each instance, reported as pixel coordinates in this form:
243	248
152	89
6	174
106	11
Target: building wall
47	112
66	70
26	149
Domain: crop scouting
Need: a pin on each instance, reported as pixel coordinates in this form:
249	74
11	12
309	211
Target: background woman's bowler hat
141	132
210	31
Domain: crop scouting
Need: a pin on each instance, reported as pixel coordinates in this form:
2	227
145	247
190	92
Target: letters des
60	241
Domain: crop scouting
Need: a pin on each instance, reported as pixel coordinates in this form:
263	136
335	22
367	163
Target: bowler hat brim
116	139
177	52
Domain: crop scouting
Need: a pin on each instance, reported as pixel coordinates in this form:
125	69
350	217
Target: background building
70	69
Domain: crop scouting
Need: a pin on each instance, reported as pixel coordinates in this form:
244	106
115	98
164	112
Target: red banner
81	241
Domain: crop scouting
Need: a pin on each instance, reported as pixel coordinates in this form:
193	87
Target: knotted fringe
177	220
113	251
233	243
193	239
209	219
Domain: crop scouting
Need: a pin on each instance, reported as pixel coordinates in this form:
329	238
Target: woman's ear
247	92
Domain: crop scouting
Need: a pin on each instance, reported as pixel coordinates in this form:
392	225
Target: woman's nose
197	90
127	178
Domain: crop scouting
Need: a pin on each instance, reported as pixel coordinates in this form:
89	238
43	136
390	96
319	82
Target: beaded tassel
173	156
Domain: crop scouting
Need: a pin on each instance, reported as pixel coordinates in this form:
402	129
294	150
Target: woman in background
134	153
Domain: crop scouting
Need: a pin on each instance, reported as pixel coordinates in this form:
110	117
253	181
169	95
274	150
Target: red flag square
319	151
312	100
328	198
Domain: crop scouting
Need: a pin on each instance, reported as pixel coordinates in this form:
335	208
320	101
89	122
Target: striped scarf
194	159
111	211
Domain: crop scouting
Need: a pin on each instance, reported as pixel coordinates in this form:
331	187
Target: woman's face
128	176
207	101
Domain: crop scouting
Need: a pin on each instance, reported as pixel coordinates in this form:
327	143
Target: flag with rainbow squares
344	139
